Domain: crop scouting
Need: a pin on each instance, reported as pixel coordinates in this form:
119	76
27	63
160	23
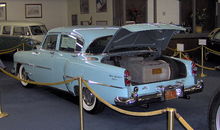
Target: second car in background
13	33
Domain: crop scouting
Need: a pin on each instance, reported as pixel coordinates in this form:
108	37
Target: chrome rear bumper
181	92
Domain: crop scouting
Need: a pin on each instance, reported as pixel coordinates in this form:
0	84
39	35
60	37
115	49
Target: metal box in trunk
147	71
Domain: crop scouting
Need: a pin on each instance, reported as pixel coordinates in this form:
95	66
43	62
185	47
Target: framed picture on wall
84	6
101	5
33	10
3	11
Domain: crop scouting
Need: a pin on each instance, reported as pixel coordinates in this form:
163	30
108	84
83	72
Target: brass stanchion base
171	112
203	75
3	114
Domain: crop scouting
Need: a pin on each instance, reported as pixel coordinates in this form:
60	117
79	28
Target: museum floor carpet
43	108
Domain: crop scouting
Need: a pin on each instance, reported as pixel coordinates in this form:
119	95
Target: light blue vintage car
124	65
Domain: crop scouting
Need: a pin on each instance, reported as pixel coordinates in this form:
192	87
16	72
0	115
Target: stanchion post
202	42
81	105
171	112
2	114
202	73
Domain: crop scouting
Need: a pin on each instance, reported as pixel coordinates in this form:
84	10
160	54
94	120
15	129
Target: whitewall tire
214	113
90	103
23	75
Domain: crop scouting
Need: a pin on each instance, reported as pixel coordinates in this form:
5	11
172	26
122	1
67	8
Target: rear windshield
38	30
98	46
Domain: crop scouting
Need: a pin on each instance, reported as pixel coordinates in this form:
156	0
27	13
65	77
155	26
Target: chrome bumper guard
2	65
180	92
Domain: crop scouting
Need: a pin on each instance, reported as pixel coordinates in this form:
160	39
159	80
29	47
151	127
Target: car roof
81	29
87	33
20	23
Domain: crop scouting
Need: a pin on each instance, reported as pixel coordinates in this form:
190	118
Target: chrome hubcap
88	97
24	75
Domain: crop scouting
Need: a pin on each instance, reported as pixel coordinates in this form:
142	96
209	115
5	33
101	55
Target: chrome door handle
74	55
52	52
36	52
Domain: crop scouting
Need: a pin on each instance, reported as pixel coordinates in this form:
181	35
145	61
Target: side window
70	43
50	42
217	36
21	31
6	30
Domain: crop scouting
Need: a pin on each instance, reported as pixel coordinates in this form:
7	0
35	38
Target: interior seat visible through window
50	42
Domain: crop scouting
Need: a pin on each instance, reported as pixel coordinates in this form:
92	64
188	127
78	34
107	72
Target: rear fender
95	73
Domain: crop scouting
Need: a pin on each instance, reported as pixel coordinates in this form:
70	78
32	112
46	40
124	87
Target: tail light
127	78
194	69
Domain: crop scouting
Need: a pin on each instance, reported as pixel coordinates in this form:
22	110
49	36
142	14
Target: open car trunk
146	69
137	48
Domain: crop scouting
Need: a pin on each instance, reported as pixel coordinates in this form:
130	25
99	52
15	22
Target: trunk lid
140	36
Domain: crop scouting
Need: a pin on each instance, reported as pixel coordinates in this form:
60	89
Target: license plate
157	71
170	94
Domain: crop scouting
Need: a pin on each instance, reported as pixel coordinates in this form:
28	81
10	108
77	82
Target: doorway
205	14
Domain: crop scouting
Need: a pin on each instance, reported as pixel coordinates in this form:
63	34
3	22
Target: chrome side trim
67	76
97	83
42	67
93	82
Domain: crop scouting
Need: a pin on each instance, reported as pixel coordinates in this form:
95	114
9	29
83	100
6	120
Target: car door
44	59
67	60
